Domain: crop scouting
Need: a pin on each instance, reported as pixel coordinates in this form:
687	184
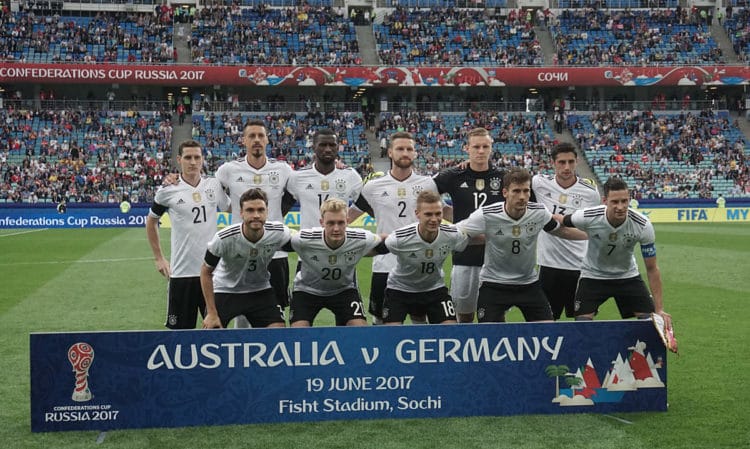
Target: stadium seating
667	155
86	156
633	37
445	36
260	35
520	140
290	134
105	37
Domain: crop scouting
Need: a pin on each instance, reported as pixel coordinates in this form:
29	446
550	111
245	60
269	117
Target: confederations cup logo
81	356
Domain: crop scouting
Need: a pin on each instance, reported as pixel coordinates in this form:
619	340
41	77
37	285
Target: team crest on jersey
428	253
350	256
629	239
273	177
444	250
479	184
332	259
197	197
577	201
253	252
340	185
563	198
268	250
401	192
210	195
516	231
495	183
257	179
613	237
325	185
531	228
416	190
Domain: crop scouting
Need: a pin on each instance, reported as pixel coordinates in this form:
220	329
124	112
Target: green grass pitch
104	279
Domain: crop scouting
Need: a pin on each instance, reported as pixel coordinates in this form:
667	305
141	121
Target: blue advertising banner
74	217
112	380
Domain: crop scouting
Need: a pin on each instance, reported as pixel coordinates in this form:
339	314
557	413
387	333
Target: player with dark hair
256	170
509	276
416	283
234	276
321	180
392	200
470	188
192	205
560	259
327	276
609	268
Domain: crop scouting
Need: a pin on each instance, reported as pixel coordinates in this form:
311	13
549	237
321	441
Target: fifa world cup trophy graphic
81	356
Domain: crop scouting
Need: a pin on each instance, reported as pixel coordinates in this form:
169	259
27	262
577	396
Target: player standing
191	205
609	268
314	184
234	276
560	259
327	276
391	200
416	284
256	170
509	276
470	188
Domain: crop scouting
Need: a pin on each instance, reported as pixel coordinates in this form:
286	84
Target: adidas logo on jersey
385	194
181	201
239	179
548	195
464	185
309	187
315	258
499	232
413	256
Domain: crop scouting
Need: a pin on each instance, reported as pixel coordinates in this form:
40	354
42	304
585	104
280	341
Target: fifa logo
81	356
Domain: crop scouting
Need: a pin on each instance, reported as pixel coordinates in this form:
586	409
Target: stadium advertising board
698	215
202	75
111	380
85	217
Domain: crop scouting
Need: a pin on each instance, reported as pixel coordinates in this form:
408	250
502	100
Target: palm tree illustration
556	371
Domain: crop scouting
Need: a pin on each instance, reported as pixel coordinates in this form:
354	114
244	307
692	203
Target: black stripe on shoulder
355	234
536	206
229	232
406	232
595	212
273	226
495	208
636	217
448	228
308	234
587	183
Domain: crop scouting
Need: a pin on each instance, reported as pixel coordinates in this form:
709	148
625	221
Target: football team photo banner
116	380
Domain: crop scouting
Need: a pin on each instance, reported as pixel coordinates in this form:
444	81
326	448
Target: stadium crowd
305	35
104	37
447	36
590	36
82	156
683	153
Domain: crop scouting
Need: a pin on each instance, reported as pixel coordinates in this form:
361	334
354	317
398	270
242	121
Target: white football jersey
192	212
510	248
419	264
610	252
554	251
243	266
325	271
393	203
311	188
238	177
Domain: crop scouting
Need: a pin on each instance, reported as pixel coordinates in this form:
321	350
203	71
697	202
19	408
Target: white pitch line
55	262
23	232
624	421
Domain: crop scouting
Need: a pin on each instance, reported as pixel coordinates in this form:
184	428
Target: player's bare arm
654	284
152	232
211	321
